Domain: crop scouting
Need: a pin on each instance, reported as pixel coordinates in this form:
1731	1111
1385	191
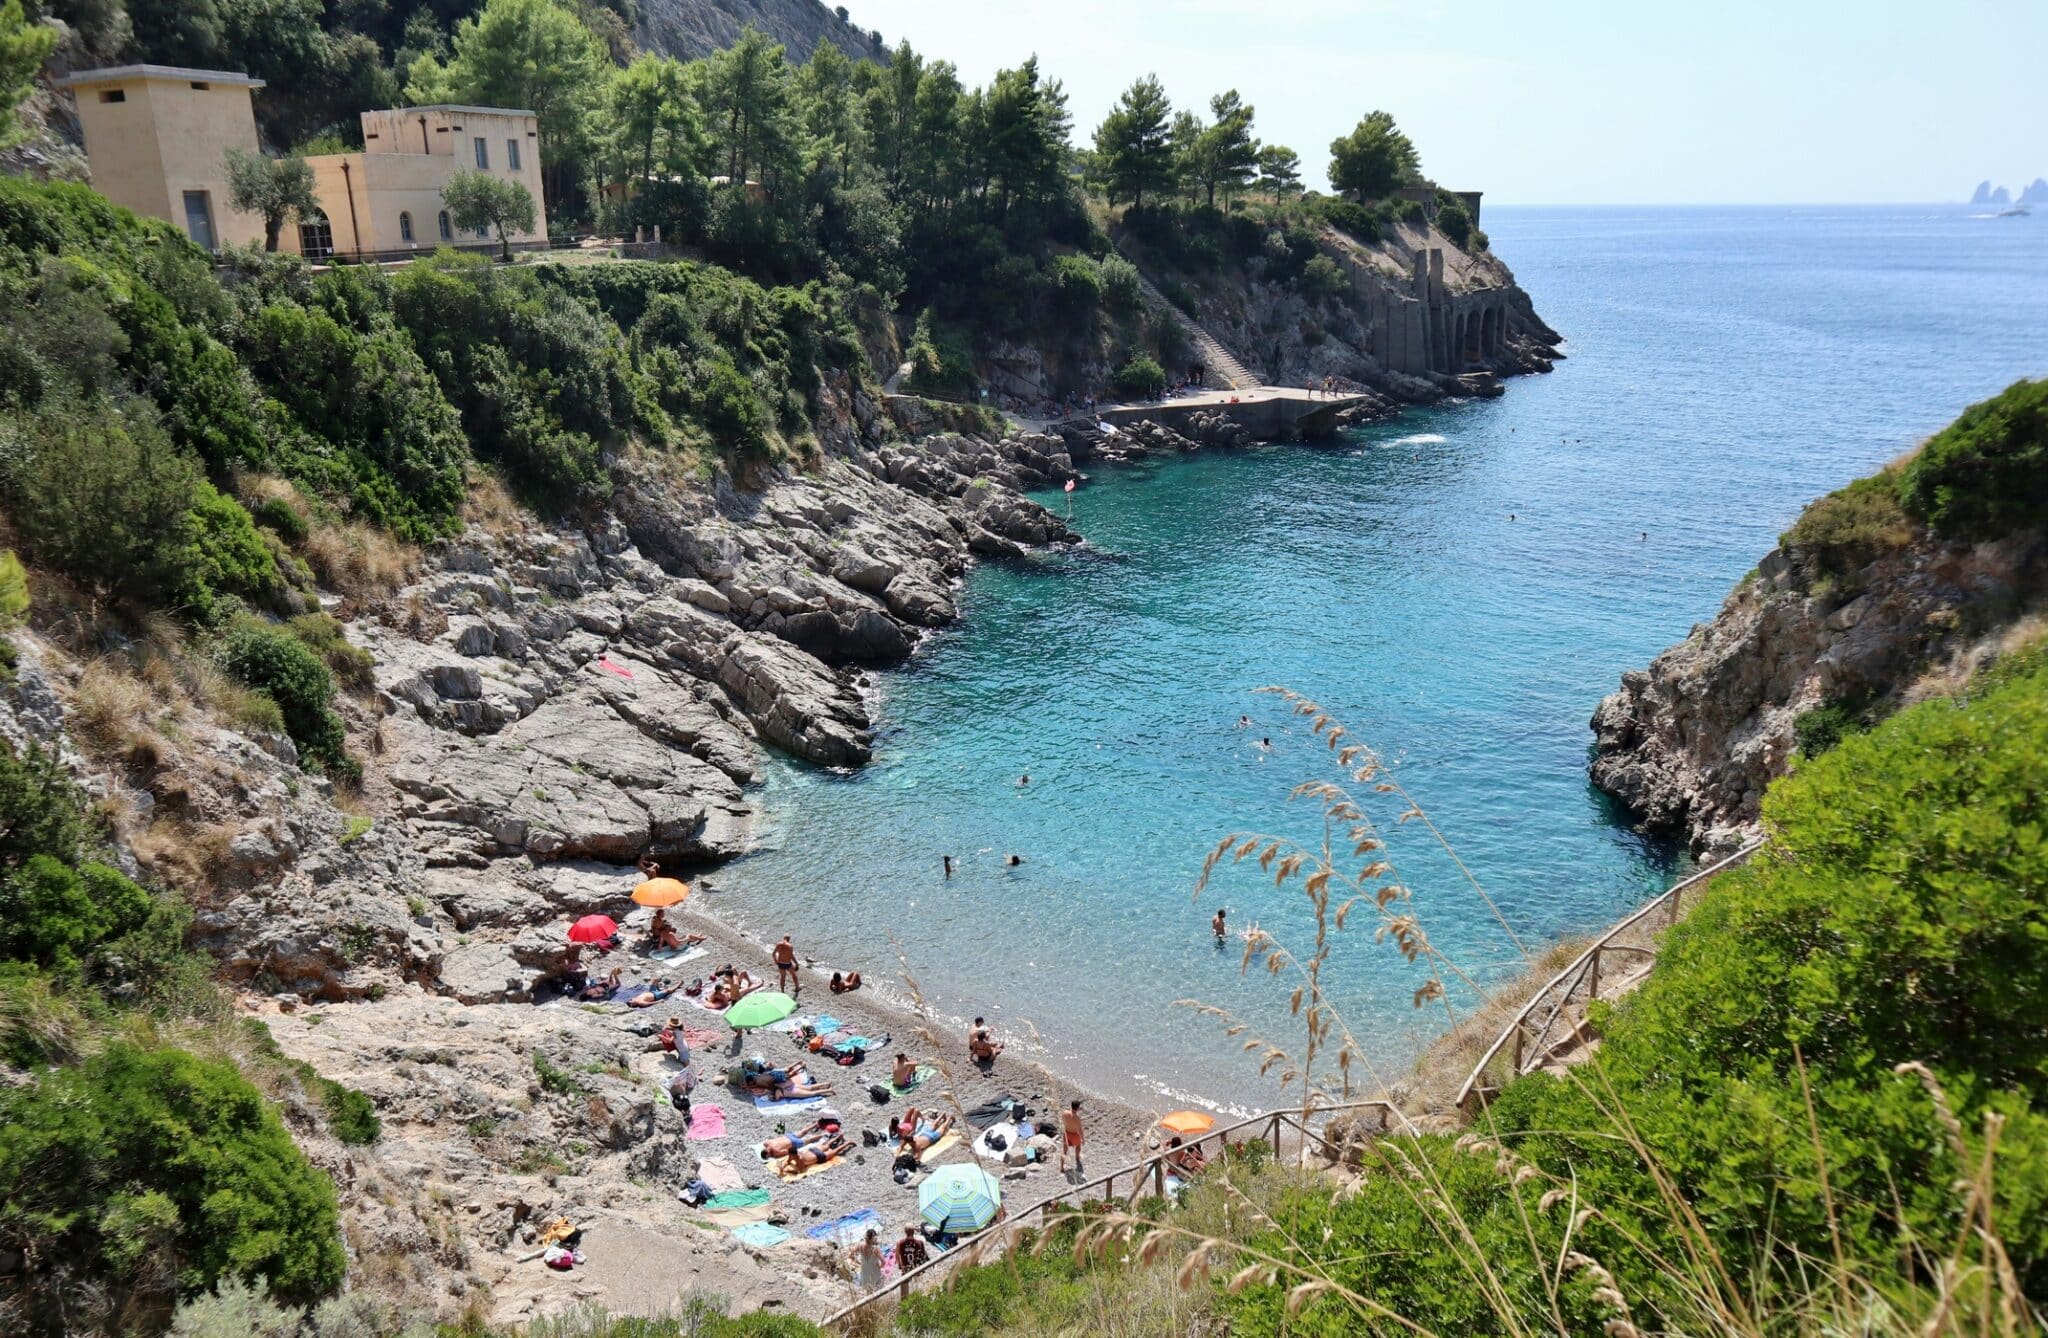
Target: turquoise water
1725	366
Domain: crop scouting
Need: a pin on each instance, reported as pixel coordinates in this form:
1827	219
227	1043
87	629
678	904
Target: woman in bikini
815	1154
905	1071
919	1136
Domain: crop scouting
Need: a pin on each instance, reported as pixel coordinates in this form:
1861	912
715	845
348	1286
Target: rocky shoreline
1690	743
550	702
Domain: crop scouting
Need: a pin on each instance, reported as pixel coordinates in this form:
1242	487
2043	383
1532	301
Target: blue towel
789	1103
847	1230
827	1024
760	1235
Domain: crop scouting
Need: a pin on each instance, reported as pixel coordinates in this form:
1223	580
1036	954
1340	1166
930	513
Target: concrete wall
448	136
165	137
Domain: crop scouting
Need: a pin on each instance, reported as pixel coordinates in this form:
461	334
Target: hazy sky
1569	101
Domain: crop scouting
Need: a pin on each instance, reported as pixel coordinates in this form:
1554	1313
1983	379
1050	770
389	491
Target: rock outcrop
688	29
1690	743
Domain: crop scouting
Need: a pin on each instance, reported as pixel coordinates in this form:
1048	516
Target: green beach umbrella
759	1009
959	1198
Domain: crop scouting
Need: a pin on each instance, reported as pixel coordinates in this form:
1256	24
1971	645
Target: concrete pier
1270	413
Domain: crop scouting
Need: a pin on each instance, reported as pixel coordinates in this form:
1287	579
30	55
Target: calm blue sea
1725	365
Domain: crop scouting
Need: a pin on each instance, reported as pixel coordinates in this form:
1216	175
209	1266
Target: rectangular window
198	87
483	154
511	155
113	95
199	219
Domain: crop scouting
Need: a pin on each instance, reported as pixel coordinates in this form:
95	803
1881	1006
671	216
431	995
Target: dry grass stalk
360	562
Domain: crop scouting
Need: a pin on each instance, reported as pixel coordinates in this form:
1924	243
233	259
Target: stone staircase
1221	364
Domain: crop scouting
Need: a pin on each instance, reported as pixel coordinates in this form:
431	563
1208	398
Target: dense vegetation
131	1171
1983	476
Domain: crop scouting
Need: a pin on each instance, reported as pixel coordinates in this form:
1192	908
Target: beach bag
878	1094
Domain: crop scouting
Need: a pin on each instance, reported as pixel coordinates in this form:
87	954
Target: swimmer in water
1012	861
1023	780
1217	924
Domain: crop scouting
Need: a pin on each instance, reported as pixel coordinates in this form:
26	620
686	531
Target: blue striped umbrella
960	1198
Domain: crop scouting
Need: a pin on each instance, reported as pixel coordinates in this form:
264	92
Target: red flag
1070	485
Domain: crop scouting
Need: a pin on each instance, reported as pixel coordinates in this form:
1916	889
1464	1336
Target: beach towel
673	955
718	1173
917	1079
698	1037
625	993
827	1024
848	1230
760	1235
791	1177
950	1140
765	1102
736	1198
726	1219
991	1112
982	1148
707	1122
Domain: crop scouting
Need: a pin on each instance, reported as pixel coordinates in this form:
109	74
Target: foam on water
1725	367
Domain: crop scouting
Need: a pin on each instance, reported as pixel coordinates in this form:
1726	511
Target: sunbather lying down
918	1132
783	1083
815	1154
782	1145
653	995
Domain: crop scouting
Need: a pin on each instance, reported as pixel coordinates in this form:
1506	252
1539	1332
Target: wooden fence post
1518	1047
1595	992
1671	909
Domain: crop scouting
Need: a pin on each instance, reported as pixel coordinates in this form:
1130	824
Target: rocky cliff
1690	743
687	29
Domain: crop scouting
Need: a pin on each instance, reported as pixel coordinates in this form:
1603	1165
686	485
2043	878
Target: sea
1458	588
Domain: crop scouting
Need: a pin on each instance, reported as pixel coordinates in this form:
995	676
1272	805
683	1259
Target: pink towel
707	1122
605	662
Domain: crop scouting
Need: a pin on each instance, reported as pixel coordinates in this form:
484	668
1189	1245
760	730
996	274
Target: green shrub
1480	241
1323	278
278	664
1453	222
1139	378
351	1115
724	402
105	497
323	634
155	1172
1348	217
1121	290
52	913
1821	728
230	556
1852	527
1078	280
1986	474
939	361
281	518
1411	211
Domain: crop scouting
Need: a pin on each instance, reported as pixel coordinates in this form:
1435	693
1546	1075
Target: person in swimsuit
1070	1135
785	967
981	1045
905	1070
815	1154
1186	1160
1217	923
918	1137
781	1145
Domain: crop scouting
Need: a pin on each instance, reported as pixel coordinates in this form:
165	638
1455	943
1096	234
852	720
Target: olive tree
480	200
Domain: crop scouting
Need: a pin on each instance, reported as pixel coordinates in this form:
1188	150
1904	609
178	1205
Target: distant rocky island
1986	193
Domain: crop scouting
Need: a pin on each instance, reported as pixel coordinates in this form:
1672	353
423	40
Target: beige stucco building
157	139
386	200
158	136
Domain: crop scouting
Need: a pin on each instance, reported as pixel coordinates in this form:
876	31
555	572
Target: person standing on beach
1070	1135
785	967
868	1254
910	1251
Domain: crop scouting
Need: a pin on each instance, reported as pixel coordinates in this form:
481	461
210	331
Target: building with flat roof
157	138
386	200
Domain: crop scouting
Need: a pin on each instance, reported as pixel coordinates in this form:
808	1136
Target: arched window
404	226
447	228
316	237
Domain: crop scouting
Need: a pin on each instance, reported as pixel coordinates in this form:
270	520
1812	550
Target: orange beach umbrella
662	892
1188	1123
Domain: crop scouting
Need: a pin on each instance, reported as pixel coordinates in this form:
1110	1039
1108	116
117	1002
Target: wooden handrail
1136	1170
1583	962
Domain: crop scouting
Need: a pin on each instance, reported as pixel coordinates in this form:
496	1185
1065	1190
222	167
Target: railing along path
1533	1045
1151	1169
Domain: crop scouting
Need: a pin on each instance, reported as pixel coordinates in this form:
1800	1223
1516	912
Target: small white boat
2017	211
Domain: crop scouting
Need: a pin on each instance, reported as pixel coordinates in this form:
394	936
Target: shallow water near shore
1459	587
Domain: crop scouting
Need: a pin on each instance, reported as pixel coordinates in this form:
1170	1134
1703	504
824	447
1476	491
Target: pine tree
1134	151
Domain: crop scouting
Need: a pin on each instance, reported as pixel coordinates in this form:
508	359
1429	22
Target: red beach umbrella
593	929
